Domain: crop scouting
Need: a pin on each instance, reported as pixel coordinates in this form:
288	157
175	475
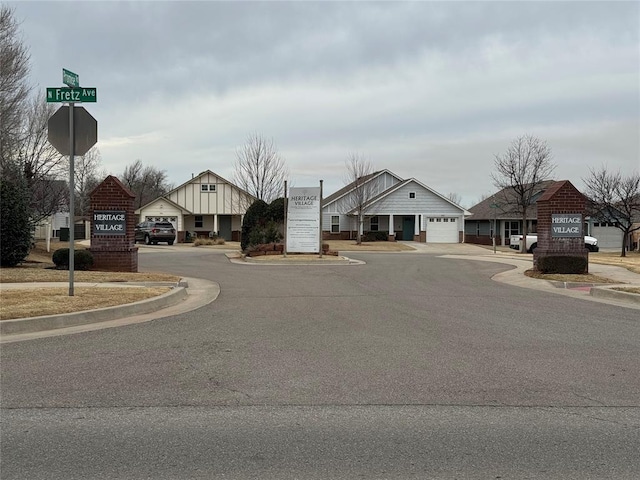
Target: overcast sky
431	90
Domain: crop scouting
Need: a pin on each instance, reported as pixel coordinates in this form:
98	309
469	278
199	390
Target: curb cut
53	322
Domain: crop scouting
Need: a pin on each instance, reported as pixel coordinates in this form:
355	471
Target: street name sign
69	78
76	95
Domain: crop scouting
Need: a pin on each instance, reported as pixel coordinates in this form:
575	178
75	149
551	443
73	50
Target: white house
404	209
206	204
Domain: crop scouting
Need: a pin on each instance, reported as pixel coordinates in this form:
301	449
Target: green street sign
69	78
76	95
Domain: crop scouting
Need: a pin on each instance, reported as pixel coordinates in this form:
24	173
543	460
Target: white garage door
442	230
608	237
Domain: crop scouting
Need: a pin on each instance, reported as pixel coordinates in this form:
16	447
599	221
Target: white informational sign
303	220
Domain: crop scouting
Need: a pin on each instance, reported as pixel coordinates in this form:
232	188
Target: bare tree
259	169
615	198
455	197
358	177
87	176
42	167
14	87
148	183
522	168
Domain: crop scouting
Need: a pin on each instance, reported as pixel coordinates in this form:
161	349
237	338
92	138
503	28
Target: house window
375	224
446	220
438	220
335	223
431	220
206	187
412	194
198	221
511	228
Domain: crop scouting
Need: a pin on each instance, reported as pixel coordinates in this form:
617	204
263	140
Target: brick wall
561	197
116	253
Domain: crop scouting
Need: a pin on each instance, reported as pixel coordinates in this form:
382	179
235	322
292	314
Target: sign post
494	207
57	138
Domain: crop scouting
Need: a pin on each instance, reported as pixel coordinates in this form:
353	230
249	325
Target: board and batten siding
225	200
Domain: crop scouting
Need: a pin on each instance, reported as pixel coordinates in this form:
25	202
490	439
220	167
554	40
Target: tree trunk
524	231
625	235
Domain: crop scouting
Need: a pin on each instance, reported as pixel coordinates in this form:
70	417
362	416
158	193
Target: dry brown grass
631	262
352	246
588	278
23	303
628	289
40	268
29	302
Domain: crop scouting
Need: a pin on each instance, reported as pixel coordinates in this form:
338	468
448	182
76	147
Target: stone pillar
561	199
113	227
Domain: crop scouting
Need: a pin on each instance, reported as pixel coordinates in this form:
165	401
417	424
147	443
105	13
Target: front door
224	226
408	228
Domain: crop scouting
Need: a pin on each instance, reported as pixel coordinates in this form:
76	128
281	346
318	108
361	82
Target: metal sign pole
71	198
320	220
284	250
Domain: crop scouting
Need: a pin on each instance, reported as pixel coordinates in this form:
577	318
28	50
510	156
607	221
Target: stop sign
84	125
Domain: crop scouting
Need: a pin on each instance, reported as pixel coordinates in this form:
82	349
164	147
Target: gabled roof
164	199
397	186
350	187
201	174
505	199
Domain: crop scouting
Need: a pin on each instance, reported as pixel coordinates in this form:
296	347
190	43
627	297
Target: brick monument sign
113	224
560	228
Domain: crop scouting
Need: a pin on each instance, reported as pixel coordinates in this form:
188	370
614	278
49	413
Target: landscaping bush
565	264
208	241
276	210
15	236
254	218
82	259
375	236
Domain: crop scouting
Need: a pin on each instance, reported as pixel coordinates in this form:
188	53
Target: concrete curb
608	292
52	322
294	260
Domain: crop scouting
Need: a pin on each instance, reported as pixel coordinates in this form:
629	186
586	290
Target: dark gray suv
154	232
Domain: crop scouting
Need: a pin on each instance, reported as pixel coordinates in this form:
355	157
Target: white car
590	243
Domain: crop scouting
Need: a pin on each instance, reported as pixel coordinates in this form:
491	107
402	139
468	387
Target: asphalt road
411	366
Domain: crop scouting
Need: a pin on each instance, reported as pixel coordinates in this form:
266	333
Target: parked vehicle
154	232
590	243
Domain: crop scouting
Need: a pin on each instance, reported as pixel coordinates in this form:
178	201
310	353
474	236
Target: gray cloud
427	89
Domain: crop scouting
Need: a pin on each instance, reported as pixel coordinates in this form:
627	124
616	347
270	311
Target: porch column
392	233
416	230
215	223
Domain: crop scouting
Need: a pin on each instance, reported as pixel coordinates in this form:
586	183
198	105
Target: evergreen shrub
564	264
82	259
15	228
